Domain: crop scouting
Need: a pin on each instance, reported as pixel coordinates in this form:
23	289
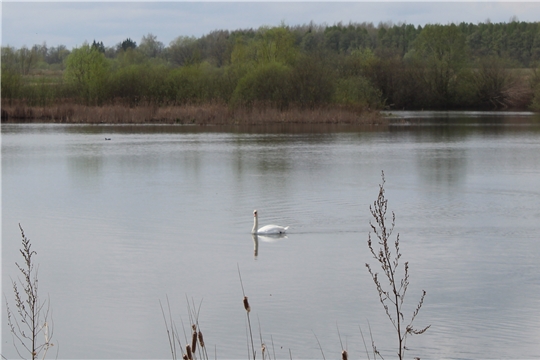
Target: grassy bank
204	114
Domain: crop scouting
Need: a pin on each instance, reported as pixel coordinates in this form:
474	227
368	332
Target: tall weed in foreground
392	291
31	319
195	347
248	310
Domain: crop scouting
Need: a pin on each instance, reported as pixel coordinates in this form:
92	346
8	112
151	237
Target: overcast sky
72	23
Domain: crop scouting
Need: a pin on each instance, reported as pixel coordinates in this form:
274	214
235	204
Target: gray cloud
72	23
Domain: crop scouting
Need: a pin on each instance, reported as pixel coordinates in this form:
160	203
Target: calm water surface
163	211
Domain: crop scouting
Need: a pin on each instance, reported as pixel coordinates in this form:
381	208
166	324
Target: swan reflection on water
265	238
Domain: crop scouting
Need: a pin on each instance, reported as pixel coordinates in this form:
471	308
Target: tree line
481	66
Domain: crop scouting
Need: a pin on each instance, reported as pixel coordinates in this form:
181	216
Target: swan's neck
255	225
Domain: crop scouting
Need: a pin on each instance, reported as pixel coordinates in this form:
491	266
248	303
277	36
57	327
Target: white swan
267	229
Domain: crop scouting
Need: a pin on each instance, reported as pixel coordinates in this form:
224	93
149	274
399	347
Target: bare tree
498	86
57	55
32	315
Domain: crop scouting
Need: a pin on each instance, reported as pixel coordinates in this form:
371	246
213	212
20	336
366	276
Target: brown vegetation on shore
204	114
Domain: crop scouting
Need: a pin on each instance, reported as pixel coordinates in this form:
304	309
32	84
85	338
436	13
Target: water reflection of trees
443	165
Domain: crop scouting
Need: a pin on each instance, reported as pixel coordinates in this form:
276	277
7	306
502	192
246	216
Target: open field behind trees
336	72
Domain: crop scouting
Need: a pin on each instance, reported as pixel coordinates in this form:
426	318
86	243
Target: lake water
163	212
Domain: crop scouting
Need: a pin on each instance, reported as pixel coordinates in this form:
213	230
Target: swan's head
255	213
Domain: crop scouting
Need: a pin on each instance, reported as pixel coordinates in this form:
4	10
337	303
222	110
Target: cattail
201	341
188	352
344	355
263	350
246	304
184	357
194	341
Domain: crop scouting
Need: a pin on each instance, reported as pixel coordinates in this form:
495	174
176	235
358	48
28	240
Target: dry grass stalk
392	299
263	345
320	347
172	334
344	354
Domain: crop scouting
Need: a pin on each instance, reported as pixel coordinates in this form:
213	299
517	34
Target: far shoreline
191	114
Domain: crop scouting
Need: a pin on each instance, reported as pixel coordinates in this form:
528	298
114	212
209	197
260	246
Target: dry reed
190	114
196	335
246	304
201	340
248	310
194	339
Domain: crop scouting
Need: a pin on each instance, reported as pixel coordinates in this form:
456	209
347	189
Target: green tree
183	51
128	83
535	86
360	62
99	46
26	59
87	70
187	84
11	82
275	45
311	41
129	57
311	81
243	53
127	44
11	79
267	84
442	51
357	91
9	57
57	55
138	84
269	45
